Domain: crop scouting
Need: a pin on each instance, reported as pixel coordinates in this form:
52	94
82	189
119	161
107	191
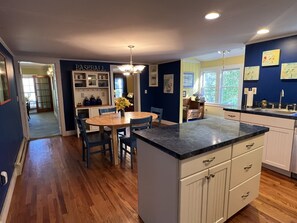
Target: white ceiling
160	30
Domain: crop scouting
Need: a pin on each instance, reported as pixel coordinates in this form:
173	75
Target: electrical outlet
145	91
3	178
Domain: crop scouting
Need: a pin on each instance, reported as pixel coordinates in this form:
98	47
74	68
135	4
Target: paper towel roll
250	98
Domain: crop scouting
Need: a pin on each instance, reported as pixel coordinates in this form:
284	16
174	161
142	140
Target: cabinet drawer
203	161
246	166
247	145
243	194
232	115
268	121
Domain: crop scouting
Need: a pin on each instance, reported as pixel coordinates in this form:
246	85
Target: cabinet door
193	200
278	147
94	112
218	190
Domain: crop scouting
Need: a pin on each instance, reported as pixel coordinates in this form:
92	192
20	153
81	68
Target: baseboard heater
21	157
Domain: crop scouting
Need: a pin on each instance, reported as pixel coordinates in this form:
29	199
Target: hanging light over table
128	69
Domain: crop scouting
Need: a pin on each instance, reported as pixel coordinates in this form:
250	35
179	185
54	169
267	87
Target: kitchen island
202	171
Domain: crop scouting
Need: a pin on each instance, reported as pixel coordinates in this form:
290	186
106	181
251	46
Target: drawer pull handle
231	116
245	195
209	160
209	176
250	145
248	167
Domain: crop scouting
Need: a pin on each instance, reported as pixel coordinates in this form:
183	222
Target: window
29	91
222	87
118	87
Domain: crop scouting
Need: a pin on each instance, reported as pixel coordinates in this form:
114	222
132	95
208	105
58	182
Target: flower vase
122	111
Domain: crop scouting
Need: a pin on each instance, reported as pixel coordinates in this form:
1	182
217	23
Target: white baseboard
18	167
21	157
68	133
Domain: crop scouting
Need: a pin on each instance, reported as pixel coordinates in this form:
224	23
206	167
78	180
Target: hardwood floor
57	187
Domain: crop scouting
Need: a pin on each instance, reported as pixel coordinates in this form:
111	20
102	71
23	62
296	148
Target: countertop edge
201	151
270	114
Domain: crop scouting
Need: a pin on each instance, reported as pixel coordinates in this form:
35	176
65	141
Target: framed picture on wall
188	79
270	58
168	83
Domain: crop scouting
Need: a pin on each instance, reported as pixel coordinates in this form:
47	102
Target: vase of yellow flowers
121	103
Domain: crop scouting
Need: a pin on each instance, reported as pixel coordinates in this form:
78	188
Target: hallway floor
43	125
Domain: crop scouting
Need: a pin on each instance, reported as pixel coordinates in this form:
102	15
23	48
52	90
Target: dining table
115	121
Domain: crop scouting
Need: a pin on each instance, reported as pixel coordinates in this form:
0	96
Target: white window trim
218	71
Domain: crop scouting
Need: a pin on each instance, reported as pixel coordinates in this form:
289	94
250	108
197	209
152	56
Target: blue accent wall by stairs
11	132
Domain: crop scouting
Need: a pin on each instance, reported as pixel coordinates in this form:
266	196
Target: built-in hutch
87	84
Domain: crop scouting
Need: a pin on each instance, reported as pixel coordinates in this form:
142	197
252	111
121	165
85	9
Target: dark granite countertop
279	113
189	139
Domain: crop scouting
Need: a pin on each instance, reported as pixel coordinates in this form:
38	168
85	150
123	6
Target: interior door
44	102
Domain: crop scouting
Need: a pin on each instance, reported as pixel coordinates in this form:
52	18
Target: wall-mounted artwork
4	88
188	79
251	73
168	84
270	58
289	71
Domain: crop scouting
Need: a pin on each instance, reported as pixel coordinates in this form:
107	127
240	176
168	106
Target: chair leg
83	151
110	151
131	157
121	151
88	156
104	151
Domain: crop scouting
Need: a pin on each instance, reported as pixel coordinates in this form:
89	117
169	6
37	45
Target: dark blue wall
155	96
269	84
11	133
66	75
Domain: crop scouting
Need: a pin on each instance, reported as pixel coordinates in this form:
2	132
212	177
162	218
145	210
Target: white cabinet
245	173
278	141
278	147
206	188
232	115
204	195
85	85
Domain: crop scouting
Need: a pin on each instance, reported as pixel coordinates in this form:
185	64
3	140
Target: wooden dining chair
94	139
120	131
159	112
135	125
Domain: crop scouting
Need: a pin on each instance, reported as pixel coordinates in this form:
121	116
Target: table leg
114	136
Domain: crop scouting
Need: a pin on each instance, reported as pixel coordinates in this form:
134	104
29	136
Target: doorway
124	87
39	91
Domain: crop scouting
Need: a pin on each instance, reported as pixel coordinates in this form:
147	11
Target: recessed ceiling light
263	31
212	15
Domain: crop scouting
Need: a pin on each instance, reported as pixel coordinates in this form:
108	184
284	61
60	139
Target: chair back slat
159	112
107	110
140	123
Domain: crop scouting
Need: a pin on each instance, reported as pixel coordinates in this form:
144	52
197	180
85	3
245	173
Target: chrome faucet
282	94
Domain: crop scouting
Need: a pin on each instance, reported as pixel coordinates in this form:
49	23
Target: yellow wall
219	62
195	68
130	84
29	70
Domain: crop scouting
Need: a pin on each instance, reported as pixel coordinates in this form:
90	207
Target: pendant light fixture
129	69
